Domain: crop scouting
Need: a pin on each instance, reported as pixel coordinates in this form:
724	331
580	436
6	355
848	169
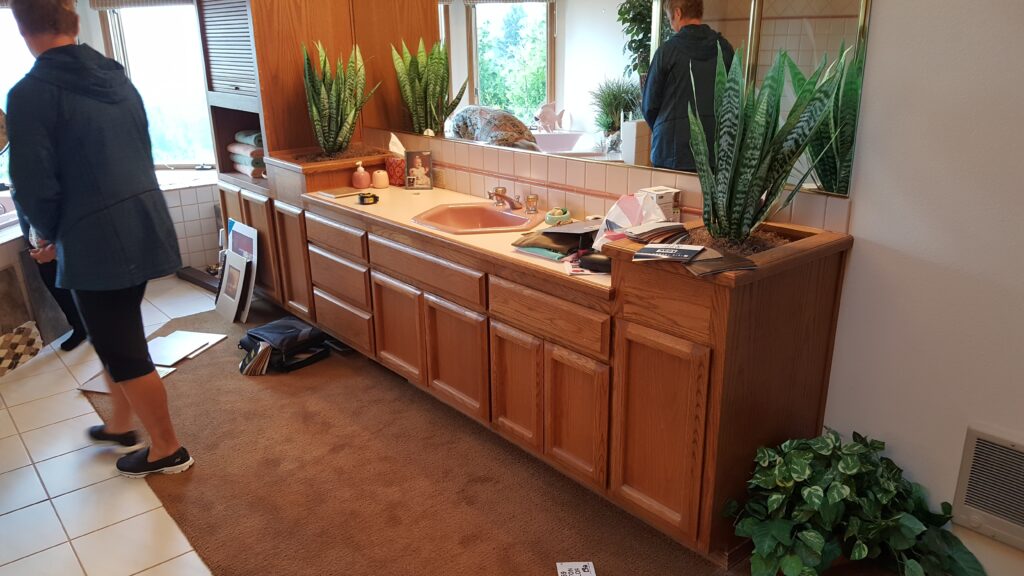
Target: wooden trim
552	22
447	9
108	39
471	60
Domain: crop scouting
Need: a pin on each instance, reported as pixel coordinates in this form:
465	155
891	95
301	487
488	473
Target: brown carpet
343	468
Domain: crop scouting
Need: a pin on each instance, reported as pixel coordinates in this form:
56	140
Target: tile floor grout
194	304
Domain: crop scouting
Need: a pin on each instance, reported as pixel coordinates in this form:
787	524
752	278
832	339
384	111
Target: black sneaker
135	465
123	443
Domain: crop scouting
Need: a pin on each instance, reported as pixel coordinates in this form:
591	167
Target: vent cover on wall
990	491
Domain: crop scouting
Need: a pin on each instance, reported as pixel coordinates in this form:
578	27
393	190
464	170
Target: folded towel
248	161
250	137
251	171
245	150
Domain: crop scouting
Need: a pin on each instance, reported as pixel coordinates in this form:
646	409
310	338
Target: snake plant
834	140
335	101
754	154
423	81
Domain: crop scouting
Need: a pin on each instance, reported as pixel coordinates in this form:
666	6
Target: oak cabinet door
457	359
658	417
576	402
517	386
398	327
230	204
258	212
296	287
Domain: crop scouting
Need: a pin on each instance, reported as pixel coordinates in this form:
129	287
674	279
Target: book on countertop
578	228
723	263
667	253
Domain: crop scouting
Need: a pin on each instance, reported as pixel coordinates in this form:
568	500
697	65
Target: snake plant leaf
704	171
334	100
424	80
421	55
729	124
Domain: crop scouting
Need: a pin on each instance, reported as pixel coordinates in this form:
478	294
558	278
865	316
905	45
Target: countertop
400	206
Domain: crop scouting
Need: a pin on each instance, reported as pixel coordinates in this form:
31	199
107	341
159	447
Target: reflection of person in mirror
670	91
420	173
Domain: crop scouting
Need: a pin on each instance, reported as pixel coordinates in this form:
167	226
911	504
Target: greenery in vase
812	501
833	142
753	156
335	101
635	17
424	81
615	98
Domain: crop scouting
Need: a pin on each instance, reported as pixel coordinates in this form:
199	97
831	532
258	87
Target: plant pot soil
355	150
759	241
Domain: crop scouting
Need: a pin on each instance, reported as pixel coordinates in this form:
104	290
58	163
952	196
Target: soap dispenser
360	178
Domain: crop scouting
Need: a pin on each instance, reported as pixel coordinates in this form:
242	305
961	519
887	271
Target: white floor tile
60	438
46	361
57	561
183	301
86	371
37	386
78	469
83	353
51	410
151	328
104	504
12	454
150	314
29	530
131	546
20	488
6	425
186	565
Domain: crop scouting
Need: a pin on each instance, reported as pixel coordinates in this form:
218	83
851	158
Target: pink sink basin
476	219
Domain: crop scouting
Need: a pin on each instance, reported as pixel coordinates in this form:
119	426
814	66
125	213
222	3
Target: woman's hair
46	17
690	9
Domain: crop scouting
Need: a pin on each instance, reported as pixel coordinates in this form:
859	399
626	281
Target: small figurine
548	119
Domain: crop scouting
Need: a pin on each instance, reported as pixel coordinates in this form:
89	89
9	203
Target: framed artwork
419	171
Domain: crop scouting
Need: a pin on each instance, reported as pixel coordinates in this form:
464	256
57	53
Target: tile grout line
78	386
93	411
190	550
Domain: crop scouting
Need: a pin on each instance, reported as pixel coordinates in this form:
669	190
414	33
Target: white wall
89	26
588	51
931	329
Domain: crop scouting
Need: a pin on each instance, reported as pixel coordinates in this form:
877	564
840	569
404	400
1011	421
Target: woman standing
82	169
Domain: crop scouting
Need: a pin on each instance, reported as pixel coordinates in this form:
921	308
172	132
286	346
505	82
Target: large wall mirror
587	57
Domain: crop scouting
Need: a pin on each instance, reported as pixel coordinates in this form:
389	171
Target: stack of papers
658	233
171	349
667	253
256	361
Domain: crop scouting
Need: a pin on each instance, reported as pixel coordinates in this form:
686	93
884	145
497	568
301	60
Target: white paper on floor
212	339
171	349
575	569
99	383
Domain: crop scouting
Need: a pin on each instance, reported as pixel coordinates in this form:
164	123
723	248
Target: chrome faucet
501	198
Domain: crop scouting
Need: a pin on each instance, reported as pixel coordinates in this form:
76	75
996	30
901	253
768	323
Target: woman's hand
45	253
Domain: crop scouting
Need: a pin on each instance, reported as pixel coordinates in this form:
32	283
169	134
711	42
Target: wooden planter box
291	178
709	369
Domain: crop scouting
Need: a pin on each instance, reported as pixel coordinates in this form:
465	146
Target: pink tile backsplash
506	162
538	167
556	170
575	173
522	164
639	179
596	175
617	180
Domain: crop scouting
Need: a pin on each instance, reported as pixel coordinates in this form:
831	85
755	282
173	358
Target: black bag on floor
294	344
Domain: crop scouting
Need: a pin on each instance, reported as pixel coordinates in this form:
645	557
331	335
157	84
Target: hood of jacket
699	41
82	70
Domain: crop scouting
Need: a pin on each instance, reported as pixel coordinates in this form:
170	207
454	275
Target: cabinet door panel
517	385
398	324
457	357
576	399
258	212
230	204
658	416
296	286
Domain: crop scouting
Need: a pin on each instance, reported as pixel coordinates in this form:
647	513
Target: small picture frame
419	171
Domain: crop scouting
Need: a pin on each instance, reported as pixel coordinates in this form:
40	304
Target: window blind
115	4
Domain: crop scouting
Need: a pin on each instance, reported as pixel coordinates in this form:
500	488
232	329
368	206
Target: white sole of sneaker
169	470
119	449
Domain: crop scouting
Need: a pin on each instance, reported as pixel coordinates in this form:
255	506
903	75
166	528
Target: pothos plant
812	501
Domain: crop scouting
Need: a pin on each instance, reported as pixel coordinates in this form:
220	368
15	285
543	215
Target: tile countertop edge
416	202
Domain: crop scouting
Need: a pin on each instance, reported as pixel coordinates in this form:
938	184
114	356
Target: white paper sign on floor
575	569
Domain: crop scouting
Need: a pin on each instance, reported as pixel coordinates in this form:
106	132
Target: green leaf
766	457
831	514
838	492
761	565
910	525
912	568
745	527
806	554
859	552
853	448
775	500
813	539
813	495
849	465
791	565
965	563
823	445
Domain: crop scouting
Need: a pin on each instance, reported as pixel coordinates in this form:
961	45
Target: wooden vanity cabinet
296	284
258	212
457	359
517	386
398	314
576	399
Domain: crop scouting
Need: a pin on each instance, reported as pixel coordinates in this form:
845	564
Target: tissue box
396	170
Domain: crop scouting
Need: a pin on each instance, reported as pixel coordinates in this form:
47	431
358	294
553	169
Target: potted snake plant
334	101
424	81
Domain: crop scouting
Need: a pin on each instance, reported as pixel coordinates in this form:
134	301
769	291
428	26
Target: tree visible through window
512	57
165	62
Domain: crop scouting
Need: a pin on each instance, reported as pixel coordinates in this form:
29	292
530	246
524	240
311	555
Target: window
512	63
17	61
163	54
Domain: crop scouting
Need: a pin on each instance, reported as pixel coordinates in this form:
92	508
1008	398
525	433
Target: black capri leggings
113	319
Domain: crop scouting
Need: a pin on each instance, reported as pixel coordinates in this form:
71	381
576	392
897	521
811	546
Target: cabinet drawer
348	280
347	323
571	325
342	239
463	285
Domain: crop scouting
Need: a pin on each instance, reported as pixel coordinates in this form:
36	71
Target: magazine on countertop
667	253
